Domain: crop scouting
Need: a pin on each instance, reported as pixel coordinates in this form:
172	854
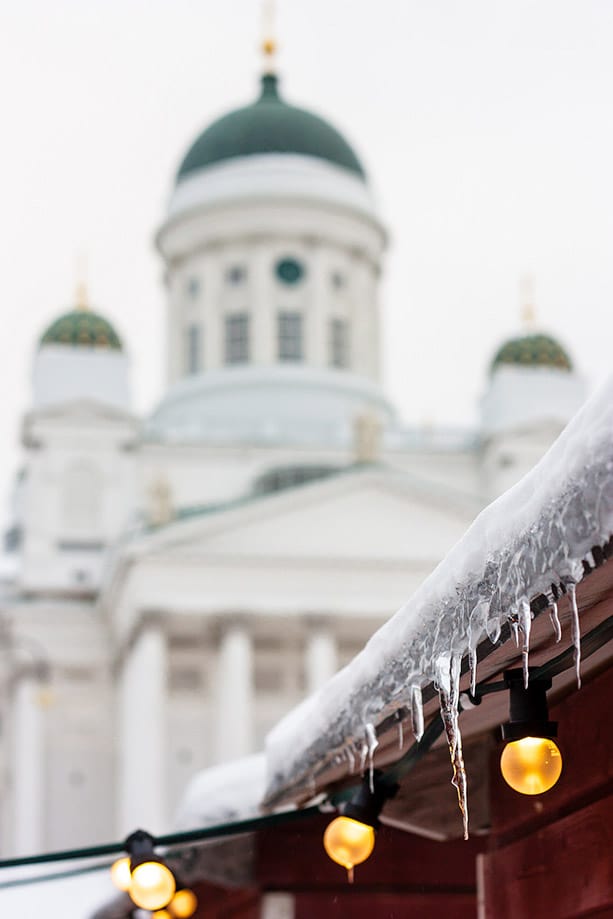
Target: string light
184	903
350	838
144	875
120	873
349	842
531	763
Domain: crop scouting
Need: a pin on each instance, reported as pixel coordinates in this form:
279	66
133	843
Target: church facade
172	585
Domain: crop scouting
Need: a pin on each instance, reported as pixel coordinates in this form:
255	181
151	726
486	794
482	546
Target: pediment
358	515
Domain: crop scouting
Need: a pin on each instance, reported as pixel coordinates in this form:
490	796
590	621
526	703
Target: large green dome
269	125
84	329
535	350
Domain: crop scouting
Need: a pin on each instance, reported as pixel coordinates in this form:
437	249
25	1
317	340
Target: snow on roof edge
226	793
535	534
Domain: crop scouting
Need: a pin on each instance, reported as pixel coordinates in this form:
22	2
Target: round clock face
290	271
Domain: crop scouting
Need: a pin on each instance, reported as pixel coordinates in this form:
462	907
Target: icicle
373	743
351	760
555	620
350	875
449	693
525	623
571	587
417	713
515	631
363	755
472	663
492	628
400	735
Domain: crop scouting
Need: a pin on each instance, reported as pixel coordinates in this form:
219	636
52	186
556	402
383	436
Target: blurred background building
173	584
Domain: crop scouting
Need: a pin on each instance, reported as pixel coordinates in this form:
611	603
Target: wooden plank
292	858
562	870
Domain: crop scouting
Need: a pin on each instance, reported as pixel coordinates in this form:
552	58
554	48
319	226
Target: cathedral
172	585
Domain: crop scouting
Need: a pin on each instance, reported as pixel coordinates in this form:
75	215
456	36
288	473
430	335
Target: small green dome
82	329
269	125
534	350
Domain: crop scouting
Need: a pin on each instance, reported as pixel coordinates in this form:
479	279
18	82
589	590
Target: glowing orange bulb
349	842
162	914
183	904
153	885
120	873
531	765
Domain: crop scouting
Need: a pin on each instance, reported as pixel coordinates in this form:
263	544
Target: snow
532	537
223	794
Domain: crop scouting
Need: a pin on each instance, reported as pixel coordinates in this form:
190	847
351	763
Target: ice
555	620
525	624
448	680
373	743
472	663
535	535
400	735
571	588
417	712
351	760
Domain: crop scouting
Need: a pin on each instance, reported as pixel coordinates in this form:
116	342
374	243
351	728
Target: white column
263	306
28	765
317	314
235	729
321	659
142	714
278	906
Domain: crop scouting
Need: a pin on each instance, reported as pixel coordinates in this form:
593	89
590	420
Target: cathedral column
142	715
28	765
317	316
235	734
263	311
321	658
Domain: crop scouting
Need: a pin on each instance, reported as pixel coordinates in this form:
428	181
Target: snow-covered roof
223	794
530	542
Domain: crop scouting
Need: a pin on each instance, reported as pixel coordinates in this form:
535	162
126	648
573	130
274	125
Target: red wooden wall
552	855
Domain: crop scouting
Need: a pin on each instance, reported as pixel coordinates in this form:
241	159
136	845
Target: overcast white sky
485	125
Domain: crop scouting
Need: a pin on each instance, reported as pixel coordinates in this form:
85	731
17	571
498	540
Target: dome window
193	288
290	336
339	343
237	338
236	274
290	271
193	349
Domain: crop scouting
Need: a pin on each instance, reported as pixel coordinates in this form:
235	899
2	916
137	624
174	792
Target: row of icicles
447	682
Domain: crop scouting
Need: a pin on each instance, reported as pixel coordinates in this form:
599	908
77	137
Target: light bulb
153	885
120	873
531	765
183	904
162	914
349	842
